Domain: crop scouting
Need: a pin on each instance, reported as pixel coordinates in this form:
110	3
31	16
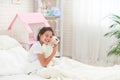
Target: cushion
13	57
7	42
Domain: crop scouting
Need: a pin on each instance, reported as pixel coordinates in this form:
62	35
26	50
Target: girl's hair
43	30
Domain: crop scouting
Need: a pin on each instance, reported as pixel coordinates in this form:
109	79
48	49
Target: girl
36	55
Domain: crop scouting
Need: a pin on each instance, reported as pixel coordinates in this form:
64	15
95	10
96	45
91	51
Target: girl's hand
55	48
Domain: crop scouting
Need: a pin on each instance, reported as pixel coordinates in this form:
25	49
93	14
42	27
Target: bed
13	66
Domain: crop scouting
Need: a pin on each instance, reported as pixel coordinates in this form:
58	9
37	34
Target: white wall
8	10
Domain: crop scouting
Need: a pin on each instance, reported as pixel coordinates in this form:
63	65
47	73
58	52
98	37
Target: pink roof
28	18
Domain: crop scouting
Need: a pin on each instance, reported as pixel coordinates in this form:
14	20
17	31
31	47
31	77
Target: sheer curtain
90	23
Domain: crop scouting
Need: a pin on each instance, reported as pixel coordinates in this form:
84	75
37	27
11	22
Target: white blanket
69	69
52	73
21	77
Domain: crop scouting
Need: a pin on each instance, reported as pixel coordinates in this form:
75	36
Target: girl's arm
45	61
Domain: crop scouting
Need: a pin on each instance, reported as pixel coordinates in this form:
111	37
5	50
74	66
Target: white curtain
90	23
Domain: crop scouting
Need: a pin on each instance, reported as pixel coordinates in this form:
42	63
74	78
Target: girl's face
46	37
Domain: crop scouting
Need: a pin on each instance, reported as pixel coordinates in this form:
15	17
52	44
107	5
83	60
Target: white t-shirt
34	50
33	59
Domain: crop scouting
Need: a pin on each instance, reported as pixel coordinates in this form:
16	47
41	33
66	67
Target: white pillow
7	42
13	61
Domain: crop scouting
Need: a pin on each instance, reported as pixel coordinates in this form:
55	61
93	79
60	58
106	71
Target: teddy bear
48	48
55	40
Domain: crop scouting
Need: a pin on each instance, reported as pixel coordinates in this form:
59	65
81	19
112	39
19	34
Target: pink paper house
24	27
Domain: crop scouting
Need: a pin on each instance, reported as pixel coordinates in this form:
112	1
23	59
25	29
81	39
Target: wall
8	10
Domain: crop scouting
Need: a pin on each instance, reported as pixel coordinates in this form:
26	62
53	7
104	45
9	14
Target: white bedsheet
21	77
